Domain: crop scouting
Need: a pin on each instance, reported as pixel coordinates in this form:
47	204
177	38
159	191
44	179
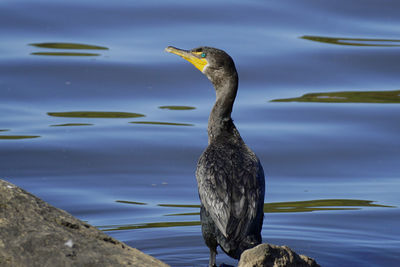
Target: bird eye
203	54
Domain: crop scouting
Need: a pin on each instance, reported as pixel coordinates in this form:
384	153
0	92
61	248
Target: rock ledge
34	233
266	255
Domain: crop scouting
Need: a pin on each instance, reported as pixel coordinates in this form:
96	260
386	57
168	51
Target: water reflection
281	207
162	123
354	41
96	114
347	97
177	107
70	46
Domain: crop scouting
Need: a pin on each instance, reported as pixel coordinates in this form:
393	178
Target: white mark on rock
10	186
69	243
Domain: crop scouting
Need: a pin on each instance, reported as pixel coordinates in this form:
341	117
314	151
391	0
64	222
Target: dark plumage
229	175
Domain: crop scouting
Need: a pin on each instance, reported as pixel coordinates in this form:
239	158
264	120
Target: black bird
229	175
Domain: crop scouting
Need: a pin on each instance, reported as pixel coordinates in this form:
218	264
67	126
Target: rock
266	255
34	233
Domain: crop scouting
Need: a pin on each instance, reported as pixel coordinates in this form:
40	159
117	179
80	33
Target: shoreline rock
267	255
34	233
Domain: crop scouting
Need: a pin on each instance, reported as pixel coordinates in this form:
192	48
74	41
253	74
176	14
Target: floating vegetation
319	205
177	107
348	97
282	207
130	202
162	123
65	54
72	124
95	114
147	225
354	41
303	206
69	46
17	137
184	214
274	207
179	205
4	130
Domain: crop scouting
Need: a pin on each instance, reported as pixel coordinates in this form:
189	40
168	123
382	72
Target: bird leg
213	255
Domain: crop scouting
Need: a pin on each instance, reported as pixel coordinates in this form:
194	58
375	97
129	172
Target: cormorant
229	175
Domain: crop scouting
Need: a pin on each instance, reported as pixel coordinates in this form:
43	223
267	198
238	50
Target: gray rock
266	255
34	233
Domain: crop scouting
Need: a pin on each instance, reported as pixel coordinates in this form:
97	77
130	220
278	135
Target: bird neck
220	123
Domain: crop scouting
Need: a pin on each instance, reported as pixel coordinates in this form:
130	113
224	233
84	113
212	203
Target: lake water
98	120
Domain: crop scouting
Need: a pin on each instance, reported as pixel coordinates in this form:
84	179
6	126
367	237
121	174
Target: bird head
216	64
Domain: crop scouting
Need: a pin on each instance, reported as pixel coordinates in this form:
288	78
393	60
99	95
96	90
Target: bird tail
234	250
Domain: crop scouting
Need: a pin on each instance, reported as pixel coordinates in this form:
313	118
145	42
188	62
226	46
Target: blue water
310	151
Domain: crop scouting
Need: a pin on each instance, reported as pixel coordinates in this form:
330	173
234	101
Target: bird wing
230	188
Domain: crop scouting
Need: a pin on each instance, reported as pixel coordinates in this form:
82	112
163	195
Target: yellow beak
192	57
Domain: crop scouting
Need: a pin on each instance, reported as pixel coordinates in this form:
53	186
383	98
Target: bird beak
192	57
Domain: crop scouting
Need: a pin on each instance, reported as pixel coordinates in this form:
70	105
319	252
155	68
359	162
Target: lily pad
347	97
